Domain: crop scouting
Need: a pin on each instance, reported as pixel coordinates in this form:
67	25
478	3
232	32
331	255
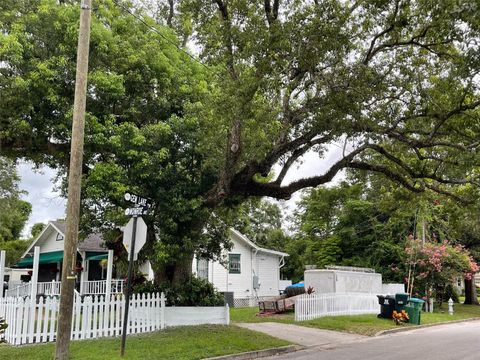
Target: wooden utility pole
74	187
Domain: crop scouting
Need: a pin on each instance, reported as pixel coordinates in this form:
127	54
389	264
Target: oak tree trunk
470	292
183	269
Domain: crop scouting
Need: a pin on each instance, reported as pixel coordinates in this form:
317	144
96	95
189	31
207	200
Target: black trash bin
401	300
387	305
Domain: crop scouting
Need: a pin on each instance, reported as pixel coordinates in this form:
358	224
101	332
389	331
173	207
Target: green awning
45	258
95	255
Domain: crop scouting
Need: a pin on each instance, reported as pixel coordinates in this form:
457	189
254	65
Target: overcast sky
46	203
49	205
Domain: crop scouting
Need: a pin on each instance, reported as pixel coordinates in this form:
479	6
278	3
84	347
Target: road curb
259	353
410	328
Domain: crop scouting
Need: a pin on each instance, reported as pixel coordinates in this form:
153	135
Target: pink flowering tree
433	266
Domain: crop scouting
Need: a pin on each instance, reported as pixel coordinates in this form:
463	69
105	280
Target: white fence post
84	273
108	289
227	314
162	312
33	293
3	255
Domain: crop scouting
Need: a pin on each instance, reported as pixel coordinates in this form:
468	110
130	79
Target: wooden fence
94	317
313	306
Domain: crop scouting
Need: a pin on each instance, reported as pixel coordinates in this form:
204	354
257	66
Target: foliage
400	318
14	250
451	293
259	220
351	225
37	228
138	137
3	326
14	212
435	265
389	86
194	292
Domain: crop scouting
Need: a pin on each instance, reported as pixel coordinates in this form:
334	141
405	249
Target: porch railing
96	287
52	288
49	288
19	290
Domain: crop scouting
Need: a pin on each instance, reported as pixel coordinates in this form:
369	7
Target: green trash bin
401	300
414	310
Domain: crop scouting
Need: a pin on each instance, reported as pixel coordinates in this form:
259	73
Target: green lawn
182	343
358	324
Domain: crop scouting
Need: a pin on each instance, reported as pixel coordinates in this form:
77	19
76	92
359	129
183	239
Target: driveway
302	335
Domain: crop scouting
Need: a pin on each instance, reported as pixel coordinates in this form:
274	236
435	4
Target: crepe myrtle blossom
438	264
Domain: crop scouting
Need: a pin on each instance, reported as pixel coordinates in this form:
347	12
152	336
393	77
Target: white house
90	253
248	271
91	262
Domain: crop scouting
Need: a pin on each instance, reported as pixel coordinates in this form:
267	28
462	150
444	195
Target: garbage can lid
415	300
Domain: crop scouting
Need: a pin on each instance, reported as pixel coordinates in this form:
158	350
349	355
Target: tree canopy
394	82
14	211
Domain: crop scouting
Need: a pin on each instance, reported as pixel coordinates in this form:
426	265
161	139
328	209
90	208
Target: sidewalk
302	335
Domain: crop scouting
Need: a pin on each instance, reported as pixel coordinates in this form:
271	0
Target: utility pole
74	187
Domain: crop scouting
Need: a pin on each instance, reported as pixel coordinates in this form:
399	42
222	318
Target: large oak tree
393	82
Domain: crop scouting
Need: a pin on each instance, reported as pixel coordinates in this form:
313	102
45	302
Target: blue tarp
297	285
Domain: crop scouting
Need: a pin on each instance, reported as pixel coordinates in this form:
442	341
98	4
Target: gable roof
93	242
250	243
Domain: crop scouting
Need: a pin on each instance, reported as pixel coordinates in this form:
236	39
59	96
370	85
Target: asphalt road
459	341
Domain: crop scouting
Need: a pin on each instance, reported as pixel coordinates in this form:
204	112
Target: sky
47	204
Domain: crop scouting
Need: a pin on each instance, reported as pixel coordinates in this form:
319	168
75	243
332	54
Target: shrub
451	292
3	326
438	264
194	292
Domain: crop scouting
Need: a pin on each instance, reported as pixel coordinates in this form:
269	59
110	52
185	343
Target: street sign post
129	286
134	238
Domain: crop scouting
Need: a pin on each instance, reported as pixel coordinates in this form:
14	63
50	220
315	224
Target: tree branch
243	186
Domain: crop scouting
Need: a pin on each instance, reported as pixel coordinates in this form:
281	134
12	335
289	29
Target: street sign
136	211
138	200
140	235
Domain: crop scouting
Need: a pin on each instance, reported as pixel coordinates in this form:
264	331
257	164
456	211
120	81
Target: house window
234	263
59	237
202	269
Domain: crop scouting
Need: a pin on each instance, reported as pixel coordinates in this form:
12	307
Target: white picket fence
308	307
95	317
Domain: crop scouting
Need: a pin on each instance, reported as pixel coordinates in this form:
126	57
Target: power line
126	9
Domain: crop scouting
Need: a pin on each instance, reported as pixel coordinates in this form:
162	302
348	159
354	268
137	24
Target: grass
182	343
358	324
